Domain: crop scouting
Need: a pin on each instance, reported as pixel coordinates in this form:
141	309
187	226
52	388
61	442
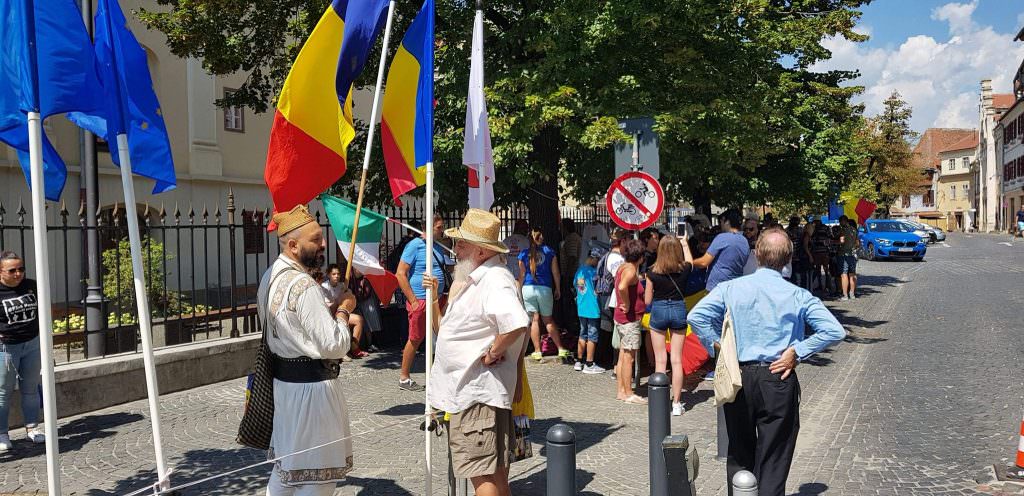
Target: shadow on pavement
382	360
536	483
196	465
402	410
75	435
848	320
691	400
587	433
811	489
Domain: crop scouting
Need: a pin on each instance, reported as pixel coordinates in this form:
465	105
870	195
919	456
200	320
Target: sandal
636	400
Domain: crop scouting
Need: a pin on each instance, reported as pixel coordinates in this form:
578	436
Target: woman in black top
19	346
664	295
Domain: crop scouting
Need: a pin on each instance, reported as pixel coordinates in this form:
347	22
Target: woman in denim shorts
664	294
539	279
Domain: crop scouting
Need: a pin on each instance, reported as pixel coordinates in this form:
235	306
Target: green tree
887	170
741	115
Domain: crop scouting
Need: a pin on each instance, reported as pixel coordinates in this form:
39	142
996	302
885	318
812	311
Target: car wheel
932	238
871	252
918	259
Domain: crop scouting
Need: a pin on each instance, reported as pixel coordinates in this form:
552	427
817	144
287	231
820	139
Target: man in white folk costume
475	375
308	339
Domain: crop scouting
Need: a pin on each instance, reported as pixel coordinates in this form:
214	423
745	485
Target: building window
966	162
234	117
952	164
965	190
253	231
952	192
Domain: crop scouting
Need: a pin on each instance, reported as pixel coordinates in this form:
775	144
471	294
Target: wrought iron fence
202	268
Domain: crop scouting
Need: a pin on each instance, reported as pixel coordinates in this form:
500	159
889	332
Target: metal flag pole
369	139
145	324
42	255
478	23
141	301
429	351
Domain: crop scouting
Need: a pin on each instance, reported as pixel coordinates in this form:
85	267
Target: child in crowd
589	313
629	309
333	289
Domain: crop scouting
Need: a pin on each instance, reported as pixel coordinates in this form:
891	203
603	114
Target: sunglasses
15	270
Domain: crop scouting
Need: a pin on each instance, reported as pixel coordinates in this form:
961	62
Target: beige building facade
953	190
214	150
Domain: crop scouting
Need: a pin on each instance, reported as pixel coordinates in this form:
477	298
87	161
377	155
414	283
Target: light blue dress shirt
768	315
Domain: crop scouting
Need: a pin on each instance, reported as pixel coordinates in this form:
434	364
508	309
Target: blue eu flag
130	105
63	79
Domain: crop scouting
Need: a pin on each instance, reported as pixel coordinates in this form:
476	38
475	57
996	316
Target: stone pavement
922	396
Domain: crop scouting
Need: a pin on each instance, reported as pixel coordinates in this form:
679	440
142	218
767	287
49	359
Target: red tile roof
933	141
967	143
1003	100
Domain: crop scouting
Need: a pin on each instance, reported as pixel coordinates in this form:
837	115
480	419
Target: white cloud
939	78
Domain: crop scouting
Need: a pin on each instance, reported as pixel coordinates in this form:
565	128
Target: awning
930	214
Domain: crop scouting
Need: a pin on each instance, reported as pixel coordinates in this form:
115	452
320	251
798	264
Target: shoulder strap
273	306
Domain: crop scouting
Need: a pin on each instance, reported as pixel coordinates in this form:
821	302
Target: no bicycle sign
635	200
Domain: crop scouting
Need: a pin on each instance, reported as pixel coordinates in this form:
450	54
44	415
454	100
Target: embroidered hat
481	228
292	219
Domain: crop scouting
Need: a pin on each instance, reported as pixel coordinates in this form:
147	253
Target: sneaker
36	436
594	369
563	354
5	442
536	356
677	408
844	298
614	376
578	366
710	376
853	296
410	385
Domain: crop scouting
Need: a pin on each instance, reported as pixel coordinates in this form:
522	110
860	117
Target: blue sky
935	53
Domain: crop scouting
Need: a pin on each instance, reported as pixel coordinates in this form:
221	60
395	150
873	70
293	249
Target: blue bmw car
880	239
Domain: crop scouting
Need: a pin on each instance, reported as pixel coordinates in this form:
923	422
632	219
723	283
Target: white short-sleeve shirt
489	305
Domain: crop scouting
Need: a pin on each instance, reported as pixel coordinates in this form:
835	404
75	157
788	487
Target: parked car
880	239
934	233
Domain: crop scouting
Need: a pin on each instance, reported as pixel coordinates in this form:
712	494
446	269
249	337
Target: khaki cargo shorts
480	438
629	335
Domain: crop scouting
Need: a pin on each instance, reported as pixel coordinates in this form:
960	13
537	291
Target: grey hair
9	255
773	249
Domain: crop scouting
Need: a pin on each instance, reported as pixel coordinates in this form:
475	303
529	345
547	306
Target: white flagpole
431	294
44	309
45	317
145	325
478	26
369	137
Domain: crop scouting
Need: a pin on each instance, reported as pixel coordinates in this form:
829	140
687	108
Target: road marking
946	244
1006	243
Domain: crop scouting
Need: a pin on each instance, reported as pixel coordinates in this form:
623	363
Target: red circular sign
635	200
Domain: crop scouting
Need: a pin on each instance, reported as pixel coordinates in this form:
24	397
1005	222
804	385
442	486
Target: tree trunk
702	203
542	195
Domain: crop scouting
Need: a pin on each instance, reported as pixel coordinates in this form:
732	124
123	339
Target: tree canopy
742	115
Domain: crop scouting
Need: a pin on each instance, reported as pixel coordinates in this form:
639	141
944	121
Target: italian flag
365	259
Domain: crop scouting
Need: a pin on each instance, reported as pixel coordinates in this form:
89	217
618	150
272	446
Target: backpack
605	279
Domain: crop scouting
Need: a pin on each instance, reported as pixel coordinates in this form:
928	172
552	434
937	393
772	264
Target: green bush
119	285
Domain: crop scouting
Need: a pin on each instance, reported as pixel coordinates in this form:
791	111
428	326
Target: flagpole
369	139
145	324
429	351
141	301
478	23
42	258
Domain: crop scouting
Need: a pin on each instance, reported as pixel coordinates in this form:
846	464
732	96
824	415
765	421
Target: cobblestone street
923	397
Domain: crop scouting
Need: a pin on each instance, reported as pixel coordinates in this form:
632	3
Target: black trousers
762	424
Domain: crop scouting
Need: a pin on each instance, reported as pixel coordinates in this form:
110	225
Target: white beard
462	270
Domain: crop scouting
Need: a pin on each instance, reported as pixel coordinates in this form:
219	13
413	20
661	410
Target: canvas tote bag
727	370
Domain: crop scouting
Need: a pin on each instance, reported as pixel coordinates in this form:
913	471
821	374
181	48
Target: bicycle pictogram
643	191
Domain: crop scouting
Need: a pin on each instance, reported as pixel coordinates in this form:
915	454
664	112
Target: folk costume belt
305	369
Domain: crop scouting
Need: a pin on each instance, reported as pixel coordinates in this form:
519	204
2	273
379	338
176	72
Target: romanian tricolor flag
313	123
407	123
859	211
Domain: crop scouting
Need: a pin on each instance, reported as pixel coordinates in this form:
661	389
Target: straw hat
481	228
292	219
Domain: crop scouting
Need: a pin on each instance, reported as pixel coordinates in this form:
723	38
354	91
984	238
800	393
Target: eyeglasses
15	270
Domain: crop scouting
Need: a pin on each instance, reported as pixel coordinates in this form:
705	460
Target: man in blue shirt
769	316
410	280
728	251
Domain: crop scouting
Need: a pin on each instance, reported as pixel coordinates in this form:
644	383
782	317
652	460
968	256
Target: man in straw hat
308	340
480	347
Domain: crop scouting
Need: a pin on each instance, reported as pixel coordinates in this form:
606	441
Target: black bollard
658	428
561	454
